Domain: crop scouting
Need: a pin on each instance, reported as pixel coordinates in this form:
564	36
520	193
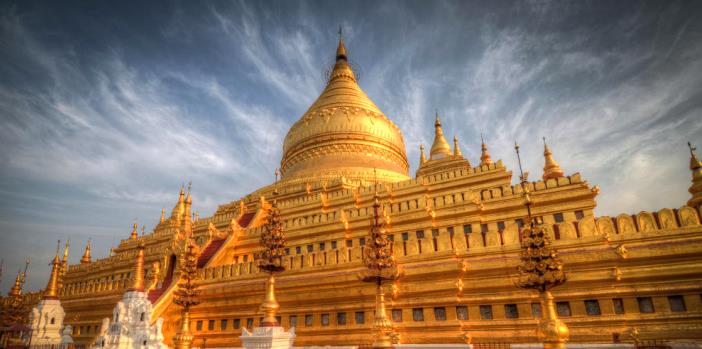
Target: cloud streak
108	109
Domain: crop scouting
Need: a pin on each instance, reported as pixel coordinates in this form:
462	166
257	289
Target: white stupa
46	319
130	327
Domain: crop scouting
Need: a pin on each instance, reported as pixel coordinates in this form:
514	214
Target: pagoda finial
16	289
134	233
551	167
341	70
86	254
456	148
485	159
341	49
52	286
440	148
422	157
163	215
696	187
65	251
694	162
138	278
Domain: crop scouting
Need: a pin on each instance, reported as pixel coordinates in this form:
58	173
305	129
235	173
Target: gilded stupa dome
344	134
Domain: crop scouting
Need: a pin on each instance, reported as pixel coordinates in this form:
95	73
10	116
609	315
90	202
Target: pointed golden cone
138	274
341	50
179	207
422	157
456	148
52	286
440	148
16	289
485	159
65	253
134	233
64	265
86	254
696	187
551	167
163	215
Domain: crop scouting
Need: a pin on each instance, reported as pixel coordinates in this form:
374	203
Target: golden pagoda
454	230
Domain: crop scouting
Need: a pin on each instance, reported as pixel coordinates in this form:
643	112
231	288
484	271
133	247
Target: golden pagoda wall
651	255
431	280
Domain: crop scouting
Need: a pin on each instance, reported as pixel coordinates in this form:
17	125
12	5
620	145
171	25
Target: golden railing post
184	338
270	306
187	294
381	324
381	267
552	331
271	261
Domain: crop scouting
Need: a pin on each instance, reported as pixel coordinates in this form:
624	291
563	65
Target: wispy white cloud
103	123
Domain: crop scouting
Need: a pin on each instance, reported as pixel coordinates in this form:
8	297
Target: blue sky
107	107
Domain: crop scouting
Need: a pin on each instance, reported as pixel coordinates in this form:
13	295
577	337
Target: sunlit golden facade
455	232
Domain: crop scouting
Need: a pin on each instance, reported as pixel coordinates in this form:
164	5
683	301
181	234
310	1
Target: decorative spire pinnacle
16	289
456	148
65	251
440	148
163	215
694	162
341	49
86	254
52	286
422	157
696	187
187	215
138	274
485	159
342	69
551	167
134	233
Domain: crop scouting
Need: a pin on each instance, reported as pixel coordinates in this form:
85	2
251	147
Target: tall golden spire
440	149
64	265
138	273
485	159
163	215
188	205
52	286
456	148
16	289
86	254
422	157
381	267
65	252
551	167
179	208
135	233
341	49
342	67
696	187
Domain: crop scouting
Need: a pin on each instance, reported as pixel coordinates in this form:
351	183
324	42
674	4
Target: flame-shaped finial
551	167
